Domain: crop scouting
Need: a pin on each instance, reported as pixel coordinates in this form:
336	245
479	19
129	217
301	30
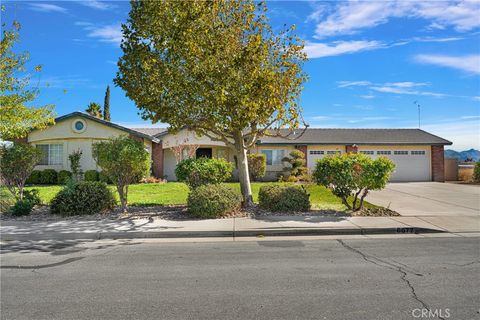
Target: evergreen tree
106	105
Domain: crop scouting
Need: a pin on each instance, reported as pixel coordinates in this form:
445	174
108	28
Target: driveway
429	199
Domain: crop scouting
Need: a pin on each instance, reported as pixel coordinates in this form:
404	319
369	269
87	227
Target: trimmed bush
476	172
213	201
63	176
197	172
48	176
257	165
284	198
24	207
102	177
91	175
35	177
82	198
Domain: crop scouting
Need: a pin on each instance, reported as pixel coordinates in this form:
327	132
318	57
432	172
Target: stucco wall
63	133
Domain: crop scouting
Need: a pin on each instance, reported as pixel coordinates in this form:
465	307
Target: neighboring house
418	155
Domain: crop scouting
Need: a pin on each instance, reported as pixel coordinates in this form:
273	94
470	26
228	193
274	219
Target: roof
150	131
135	132
357	136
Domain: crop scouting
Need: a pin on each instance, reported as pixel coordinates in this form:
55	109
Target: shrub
197	172
353	175
48	176
297	171
16	164
91	175
80	198
257	165
213	201
102	177
284	198
63	176
35	177
74	159
124	161
476	172
23	207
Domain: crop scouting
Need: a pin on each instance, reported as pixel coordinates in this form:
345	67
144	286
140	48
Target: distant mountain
463	155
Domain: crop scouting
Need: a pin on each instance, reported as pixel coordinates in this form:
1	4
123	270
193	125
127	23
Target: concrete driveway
429	199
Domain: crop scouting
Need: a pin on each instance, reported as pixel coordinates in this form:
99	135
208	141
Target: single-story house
418	155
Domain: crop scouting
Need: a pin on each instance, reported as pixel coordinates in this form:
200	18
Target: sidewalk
238	227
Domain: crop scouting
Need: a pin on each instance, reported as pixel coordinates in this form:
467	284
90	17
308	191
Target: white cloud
94	4
346	84
320	50
406	87
47	7
350	17
368	119
110	33
367	96
468	63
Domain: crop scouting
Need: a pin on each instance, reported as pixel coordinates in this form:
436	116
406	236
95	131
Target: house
418	155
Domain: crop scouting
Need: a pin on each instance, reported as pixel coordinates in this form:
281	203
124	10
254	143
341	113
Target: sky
371	63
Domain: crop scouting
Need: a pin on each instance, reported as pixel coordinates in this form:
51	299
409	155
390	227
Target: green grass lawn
176	193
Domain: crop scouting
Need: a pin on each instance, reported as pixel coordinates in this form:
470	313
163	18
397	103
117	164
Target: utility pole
418	106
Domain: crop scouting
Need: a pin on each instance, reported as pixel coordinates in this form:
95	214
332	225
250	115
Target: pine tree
106	105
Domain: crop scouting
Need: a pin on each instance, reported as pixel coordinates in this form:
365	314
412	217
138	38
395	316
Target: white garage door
314	155
410	165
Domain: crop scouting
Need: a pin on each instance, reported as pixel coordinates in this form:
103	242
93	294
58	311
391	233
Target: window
333	152
400	152
367	152
52	154
417	153
317	152
274	157
384	152
79	125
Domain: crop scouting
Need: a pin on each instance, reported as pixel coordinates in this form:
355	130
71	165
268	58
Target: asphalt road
323	279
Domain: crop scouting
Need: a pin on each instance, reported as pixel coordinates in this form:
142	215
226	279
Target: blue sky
369	61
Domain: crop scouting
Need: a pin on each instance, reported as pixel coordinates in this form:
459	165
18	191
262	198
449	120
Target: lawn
176	193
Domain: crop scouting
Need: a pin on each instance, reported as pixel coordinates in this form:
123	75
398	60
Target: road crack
385	264
42	266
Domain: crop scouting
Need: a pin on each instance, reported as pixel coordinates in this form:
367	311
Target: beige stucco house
418	155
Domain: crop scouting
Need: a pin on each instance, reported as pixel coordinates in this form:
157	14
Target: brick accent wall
303	148
157	160
438	164
351	149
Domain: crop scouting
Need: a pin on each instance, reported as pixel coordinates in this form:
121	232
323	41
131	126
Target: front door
204	152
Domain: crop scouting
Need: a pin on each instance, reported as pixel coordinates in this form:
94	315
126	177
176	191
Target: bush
102	177
353	175
64	176
297	171
476	172
91	175
213	201
24	207
257	165
284	198
81	198
35	177
48	176
197	172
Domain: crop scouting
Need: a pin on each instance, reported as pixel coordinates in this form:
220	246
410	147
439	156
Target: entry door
204	152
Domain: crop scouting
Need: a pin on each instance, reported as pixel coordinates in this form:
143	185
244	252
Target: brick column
21	140
303	148
351	149
438	164
157	159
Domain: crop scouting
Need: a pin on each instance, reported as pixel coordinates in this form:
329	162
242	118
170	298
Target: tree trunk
121	195
365	193
243	174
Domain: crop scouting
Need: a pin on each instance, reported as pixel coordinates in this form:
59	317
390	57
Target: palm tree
94	109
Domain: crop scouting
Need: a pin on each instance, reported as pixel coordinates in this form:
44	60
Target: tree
257	165
17	116
17	162
94	109
297	169
106	105
353	175
214	67
74	159
123	160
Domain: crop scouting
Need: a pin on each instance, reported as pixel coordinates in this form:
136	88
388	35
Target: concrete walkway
429	199
238	227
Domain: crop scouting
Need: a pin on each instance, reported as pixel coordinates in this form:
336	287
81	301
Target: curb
217	234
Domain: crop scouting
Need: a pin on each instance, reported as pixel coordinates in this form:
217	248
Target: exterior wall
187	137
438	164
273	171
157	160
451	170
62	133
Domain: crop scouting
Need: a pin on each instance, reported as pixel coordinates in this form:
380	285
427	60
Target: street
396	278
